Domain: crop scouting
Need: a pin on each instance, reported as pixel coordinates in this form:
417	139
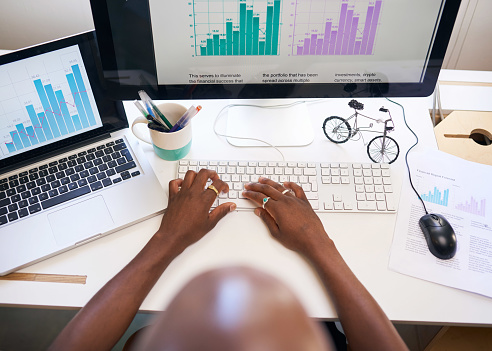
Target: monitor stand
279	126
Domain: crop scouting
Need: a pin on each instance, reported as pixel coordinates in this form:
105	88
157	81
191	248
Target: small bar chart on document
336	27
43	99
237	27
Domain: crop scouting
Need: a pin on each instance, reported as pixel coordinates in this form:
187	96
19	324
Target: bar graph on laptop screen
43	99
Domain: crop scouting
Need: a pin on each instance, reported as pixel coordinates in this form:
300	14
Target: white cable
257	106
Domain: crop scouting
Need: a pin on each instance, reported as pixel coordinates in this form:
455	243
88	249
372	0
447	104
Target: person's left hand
188	217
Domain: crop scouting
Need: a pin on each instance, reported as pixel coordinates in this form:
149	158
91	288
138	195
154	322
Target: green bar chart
237	28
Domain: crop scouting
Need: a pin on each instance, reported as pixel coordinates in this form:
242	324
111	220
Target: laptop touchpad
80	221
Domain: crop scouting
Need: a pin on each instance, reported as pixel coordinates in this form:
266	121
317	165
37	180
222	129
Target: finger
188	179
255	196
220	212
272	183
268	220
298	192
266	189
221	186
174	186
203	176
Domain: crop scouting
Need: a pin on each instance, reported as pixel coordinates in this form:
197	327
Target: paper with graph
460	191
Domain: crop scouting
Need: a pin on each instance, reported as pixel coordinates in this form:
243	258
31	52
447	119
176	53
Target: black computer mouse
439	235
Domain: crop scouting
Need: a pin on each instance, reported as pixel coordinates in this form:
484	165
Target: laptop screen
52	99
44	99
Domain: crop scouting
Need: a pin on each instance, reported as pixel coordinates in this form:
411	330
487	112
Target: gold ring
211	187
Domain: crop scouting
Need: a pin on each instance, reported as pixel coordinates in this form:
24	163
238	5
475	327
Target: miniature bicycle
380	149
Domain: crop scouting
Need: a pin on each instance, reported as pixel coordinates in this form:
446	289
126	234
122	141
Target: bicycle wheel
383	152
337	129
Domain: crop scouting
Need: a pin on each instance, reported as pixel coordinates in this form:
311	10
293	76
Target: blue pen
185	119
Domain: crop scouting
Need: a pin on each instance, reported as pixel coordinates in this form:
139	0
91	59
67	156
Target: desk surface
364	240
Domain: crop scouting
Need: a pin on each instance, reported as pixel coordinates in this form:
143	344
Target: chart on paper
44	99
346	27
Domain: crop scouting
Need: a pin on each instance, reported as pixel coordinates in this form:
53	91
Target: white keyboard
329	187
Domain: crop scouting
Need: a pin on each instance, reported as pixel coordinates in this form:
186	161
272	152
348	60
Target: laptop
70	171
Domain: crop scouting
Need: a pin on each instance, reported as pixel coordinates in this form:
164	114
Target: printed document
461	191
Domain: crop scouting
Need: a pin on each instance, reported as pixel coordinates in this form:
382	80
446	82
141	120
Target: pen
152	106
185	119
157	127
147	115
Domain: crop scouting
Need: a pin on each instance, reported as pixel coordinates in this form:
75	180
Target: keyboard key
101	175
11	192
111	172
98	162
127	155
119	147
72	186
4	186
12	177
13	207
125	167
84	174
62	166
96	186
55	184
43	196
26	195
91	179
116	180
33	200
35	208
125	175
63	189
136	173
3	211
82	182
119	141
15	198
23	212
12	216
65	181
23	180
60	175
45	187
50	178
65	197
3	220
107	182
31	185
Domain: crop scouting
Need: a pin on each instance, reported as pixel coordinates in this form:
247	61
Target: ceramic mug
168	146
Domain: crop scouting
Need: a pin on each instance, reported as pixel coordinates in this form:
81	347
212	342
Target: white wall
28	22
471	44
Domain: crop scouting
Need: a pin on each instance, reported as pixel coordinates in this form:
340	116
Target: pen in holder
170	146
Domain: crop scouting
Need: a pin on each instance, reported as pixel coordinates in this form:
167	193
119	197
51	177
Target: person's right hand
289	217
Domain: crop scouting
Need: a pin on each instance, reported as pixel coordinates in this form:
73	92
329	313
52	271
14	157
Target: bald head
234	309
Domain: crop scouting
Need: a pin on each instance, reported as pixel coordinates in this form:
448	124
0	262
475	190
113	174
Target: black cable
406	155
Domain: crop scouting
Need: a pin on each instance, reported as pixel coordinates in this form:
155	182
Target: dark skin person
290	219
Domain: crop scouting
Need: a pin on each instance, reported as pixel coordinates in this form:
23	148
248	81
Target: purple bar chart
473	207
345	27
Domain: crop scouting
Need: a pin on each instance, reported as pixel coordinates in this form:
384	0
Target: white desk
241	238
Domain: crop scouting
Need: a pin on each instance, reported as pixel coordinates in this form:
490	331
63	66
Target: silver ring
265	200
285	191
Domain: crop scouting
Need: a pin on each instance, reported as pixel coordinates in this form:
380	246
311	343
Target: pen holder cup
168	146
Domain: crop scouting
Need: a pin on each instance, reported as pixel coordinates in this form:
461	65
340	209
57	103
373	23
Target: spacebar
240	203
65	197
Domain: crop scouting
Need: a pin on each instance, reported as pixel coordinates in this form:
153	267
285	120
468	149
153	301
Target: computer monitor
252	49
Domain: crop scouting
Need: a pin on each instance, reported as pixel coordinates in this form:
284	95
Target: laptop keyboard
56	182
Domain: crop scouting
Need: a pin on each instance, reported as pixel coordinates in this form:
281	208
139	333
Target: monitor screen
273	48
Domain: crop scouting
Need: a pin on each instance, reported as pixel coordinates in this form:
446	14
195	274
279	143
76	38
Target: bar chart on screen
237	28
44	99
344	27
